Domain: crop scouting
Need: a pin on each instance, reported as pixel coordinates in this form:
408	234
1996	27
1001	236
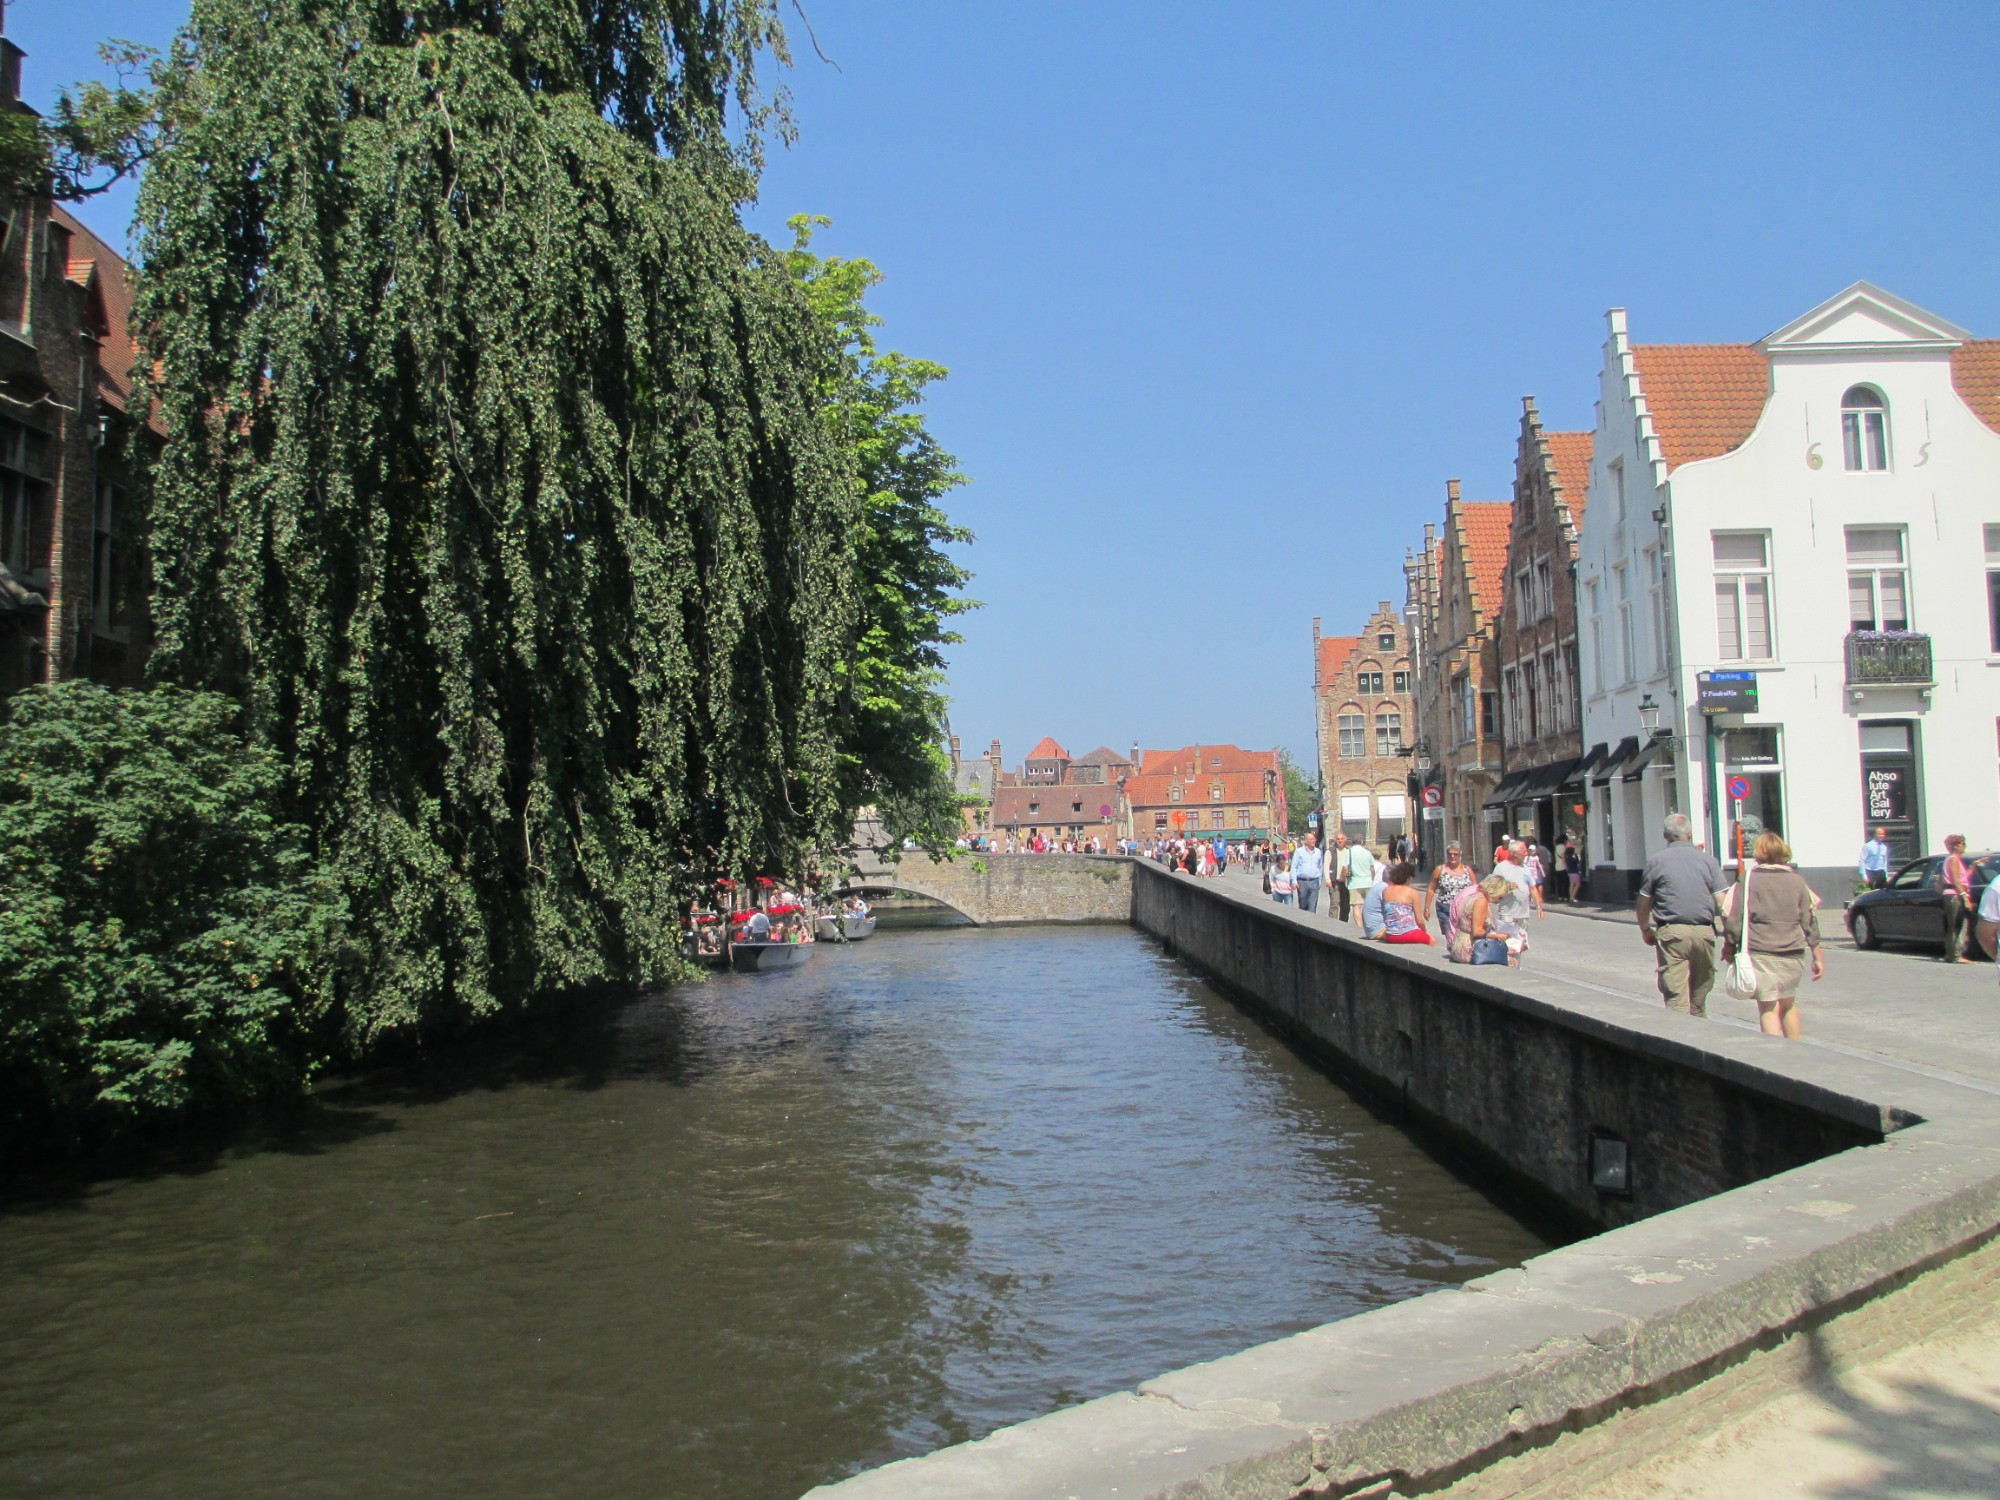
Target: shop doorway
1889	795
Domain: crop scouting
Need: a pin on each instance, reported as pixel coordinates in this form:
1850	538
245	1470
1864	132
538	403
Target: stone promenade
1921	1420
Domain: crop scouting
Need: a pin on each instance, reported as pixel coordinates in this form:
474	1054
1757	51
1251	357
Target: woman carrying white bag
1784	928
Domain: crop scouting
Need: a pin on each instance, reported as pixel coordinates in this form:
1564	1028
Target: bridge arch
1005	889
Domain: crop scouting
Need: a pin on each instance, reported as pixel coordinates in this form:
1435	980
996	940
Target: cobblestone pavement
1922	1423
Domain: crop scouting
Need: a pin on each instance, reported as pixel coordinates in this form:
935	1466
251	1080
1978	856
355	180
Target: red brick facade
1364	696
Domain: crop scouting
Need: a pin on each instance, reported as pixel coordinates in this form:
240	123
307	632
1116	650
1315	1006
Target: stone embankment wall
1004	889
1590	1357
1513	1086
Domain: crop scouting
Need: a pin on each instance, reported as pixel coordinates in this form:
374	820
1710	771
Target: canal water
729	1240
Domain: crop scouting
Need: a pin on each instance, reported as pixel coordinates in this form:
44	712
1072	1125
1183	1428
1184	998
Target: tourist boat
834	925
789	945
763	958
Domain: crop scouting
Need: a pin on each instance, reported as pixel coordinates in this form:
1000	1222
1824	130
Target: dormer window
1864	428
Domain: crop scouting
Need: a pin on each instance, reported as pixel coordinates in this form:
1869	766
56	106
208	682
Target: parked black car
1910	908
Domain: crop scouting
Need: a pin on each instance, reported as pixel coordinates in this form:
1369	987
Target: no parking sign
1739	788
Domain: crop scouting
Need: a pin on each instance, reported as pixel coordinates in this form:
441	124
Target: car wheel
1864	931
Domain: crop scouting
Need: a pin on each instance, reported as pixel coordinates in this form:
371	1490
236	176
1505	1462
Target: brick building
1062	797
1364	696
1214	790
1456	589
71	588
1541	729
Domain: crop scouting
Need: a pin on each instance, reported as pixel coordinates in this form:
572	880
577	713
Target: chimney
954	753
1451	492
1135	752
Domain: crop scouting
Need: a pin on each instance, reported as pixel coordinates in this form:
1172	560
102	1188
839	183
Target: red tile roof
1704	398
1570	452
1157	791
1053	805
1203	759
1048	749
1975	374
1487	526
1335	651
114	285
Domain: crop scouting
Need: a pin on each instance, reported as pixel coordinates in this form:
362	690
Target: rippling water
731	1240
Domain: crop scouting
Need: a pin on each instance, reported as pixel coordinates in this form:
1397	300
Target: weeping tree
892	706
501	493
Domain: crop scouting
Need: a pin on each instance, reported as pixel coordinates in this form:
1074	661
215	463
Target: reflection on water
731	1240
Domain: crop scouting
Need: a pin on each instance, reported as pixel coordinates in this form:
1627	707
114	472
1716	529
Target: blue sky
1228	292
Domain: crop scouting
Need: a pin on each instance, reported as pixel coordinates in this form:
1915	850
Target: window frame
1735	577
1864	430
1357	723
1388	732
1874	574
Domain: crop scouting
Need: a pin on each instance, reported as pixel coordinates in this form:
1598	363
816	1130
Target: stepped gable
1975	375
1335	652
1704	399
1570	453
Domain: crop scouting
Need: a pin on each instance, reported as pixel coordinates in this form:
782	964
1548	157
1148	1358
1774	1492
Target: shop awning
1508	790
1580	772
1608	768
1657	750
1544	781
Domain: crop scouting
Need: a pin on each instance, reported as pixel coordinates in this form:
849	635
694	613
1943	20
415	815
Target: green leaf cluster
892	704
168	943
98	132
1300	797
501	491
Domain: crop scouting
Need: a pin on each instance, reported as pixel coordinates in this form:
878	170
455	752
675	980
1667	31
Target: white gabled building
1820	511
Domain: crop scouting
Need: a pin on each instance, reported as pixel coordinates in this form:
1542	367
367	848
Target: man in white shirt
1308	866
1518	904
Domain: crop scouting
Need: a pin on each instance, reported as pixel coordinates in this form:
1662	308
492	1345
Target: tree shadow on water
579	1041
1926	1441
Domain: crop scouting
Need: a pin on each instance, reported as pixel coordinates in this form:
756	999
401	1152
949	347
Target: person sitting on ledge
1400	903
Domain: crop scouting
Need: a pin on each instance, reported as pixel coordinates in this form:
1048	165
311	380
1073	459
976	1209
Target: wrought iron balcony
1888	658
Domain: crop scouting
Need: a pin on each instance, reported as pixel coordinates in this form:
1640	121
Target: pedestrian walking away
1676	912
1875	861
1308	866
1778	924
1339	854
1361	865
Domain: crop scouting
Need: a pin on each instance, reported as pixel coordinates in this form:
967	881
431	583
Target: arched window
1864	428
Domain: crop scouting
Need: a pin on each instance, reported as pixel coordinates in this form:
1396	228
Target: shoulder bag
1741	980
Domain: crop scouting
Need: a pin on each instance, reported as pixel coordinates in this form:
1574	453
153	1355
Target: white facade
1866	494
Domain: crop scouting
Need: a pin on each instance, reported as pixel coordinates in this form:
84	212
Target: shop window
1391	815
1354	811
1754	753
1743	595
1864	428
1878	579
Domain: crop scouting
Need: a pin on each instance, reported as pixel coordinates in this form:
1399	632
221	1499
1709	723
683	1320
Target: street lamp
1649	716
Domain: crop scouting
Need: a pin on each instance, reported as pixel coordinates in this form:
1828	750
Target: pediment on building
1865	317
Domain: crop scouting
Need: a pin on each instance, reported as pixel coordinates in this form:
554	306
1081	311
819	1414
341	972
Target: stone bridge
997	889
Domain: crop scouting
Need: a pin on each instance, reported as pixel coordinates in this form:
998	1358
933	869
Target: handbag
1741	980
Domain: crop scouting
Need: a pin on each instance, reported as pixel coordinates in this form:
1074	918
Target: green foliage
1300	798
96	135
165	943
892	703
501	493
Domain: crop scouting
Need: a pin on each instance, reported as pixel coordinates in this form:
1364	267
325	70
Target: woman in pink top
1955	881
